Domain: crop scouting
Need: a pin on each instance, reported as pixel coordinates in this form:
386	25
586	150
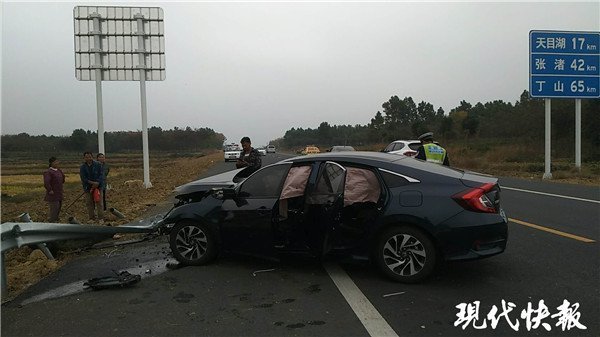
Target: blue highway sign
564	64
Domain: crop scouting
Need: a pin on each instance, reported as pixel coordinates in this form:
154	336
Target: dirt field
25	193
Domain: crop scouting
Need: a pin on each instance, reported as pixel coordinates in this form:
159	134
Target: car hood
225	179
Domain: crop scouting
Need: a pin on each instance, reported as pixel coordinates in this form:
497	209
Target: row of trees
405	119
522	121
177	139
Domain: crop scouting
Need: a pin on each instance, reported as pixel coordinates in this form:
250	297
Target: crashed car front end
205	191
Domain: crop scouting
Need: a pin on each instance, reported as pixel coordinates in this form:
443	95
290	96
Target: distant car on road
402	214
404	147
232	152
262	151
232	155
340	148
271	149
310	149
233	147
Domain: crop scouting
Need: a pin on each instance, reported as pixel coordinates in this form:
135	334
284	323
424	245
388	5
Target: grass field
21	180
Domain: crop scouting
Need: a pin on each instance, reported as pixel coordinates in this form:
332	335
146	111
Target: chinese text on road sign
564	64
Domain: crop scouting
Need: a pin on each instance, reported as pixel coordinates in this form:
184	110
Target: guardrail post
45	250
24	217
3	280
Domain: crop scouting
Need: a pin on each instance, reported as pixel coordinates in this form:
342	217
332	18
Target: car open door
324	202
246	220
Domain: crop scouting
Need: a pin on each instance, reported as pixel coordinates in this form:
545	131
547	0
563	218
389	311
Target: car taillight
410	153
475	200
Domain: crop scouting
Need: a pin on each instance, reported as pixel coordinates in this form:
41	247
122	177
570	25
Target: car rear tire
193	243
405	254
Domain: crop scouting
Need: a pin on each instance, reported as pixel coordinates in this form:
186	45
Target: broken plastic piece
262	271
122	279
173	265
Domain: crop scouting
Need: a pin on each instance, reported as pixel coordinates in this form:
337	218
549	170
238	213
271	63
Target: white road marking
394	294
370	318
550	194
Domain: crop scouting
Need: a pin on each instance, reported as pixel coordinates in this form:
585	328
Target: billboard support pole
578	134
142	65
547	173
98	72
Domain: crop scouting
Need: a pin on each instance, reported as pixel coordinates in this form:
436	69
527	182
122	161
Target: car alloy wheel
405	254
192	243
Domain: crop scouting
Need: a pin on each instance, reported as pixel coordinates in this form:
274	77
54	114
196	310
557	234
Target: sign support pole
98	72
547	173
142	57
99	111
578	134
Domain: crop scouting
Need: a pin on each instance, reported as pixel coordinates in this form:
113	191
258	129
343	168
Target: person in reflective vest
430	151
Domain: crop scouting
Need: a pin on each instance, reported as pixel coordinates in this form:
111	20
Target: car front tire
405	254
193	243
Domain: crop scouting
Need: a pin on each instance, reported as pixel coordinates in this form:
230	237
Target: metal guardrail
19	234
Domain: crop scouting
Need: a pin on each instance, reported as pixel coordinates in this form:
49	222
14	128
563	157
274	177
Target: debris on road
262	271
394	294
122	279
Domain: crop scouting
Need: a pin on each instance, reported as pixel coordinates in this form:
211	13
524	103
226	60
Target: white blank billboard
119	47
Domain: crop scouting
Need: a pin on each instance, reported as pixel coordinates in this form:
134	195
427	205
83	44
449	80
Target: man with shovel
92	179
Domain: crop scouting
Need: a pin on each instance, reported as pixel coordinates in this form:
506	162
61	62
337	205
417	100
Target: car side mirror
224	193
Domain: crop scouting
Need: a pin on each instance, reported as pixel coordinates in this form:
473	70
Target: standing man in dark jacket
54	178
249	157
430	151
91	176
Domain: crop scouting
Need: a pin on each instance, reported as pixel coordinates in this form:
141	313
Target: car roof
406	141
381	160
349	156
342	148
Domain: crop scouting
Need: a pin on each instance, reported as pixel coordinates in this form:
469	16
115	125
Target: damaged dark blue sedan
403	214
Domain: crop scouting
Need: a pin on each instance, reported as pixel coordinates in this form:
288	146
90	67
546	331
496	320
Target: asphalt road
552	256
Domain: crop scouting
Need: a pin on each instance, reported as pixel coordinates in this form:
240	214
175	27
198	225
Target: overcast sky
261	68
